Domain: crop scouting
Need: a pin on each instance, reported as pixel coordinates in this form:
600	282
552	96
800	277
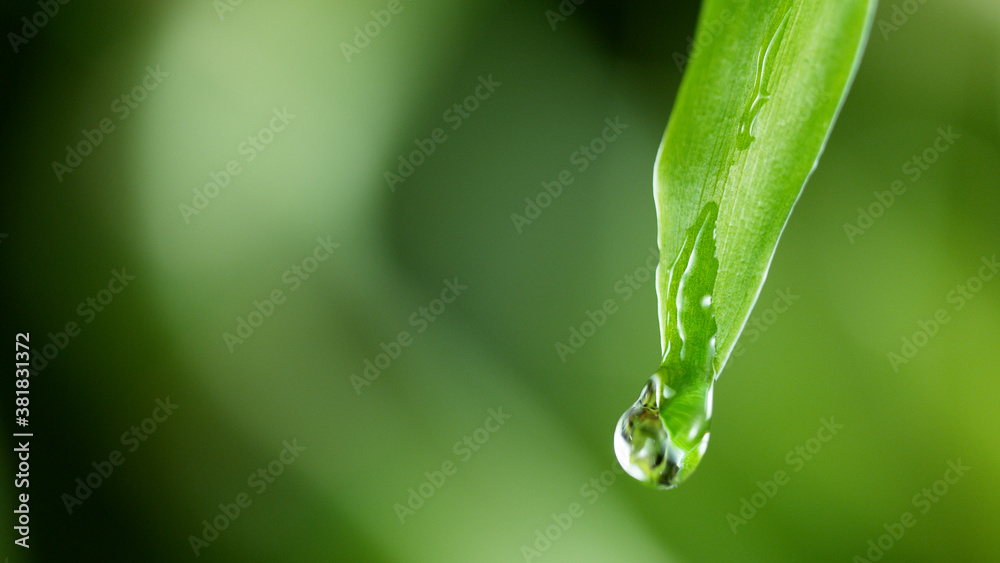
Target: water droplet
760	93
662	437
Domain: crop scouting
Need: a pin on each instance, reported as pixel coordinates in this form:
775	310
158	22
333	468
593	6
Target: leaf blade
700	158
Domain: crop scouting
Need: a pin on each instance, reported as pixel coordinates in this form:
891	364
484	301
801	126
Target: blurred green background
510	489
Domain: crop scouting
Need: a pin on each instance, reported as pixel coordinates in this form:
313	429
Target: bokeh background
825	357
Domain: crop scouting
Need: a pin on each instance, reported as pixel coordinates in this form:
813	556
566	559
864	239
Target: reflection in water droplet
662	437
760	94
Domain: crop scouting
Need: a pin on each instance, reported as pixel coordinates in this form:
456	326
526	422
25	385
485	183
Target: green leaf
755	108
